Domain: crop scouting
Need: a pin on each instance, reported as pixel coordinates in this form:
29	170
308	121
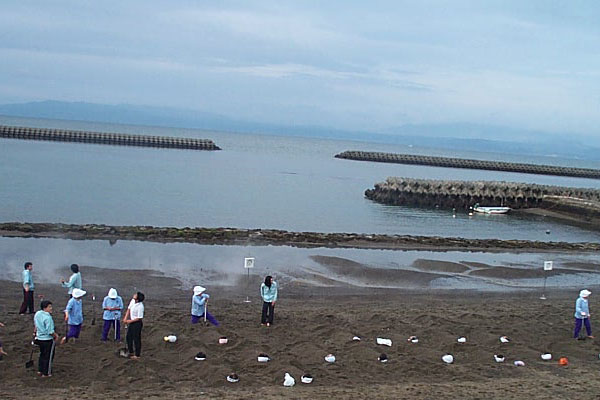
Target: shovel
94	309
29	363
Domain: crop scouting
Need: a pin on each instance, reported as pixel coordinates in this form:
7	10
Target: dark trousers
46	356
27	302
578	322
268	312
134	338
209	317
111	323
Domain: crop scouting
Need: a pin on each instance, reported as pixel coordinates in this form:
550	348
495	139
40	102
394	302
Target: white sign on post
249	262
547	265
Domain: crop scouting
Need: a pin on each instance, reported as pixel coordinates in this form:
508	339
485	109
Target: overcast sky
345	64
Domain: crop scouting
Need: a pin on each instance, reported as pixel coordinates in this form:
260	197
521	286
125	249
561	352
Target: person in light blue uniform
112	306
74	281
74	315
199	303
45	336
582	314
268	292
28	287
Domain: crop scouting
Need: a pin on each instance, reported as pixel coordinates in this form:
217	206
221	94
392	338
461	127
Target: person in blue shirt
74	281
112	306
45	336
28	287
199	304
582	314
74	315
268	292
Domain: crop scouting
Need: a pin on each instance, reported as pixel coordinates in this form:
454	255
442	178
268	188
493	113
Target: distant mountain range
456	136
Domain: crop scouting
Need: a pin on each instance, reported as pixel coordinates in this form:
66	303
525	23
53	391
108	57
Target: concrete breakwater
464	194
263	237
117	139
470	164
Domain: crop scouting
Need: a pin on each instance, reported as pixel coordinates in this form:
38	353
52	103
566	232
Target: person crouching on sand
133	317
268	292
582	314
199	305
45	337
112	306
74	315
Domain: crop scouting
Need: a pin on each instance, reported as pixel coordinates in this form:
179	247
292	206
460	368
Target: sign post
248	264
547	267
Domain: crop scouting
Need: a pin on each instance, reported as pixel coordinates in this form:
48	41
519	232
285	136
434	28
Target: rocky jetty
263	237
464	194
470	164
116	139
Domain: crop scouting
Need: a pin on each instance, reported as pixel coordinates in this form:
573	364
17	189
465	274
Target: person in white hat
199	303
582	314
112	306
74	315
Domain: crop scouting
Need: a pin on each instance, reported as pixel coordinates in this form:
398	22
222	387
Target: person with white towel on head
582	314
112	306
199	304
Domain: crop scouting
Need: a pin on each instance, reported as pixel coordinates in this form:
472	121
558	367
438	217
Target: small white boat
490	210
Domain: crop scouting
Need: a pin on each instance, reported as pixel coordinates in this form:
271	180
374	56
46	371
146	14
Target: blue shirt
28	279
112	303
75	312
581	305
44	325
74	282
269	294
198	304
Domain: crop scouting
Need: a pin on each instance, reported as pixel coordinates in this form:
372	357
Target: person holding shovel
74	315
268	292
112	306
45	336
582	314
199	306
28	287
74	281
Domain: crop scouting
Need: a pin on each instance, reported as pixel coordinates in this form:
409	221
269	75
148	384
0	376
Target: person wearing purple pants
199	302
112	306
582	314
74	315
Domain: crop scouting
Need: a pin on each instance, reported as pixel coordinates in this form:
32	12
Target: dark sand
311	321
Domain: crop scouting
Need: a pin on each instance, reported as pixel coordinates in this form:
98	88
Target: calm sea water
256	181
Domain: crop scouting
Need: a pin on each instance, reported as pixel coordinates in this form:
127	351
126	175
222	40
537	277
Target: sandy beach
312	320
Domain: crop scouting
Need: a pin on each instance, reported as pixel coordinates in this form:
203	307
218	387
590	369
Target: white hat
198	290
448	358
77	293
306	378
584	293
112	293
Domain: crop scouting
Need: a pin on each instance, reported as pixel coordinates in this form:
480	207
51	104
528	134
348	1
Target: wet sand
312	320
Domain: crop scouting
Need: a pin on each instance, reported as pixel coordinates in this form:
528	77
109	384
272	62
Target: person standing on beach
74	315
28	287
133	317
199	303
268	292
582	314
112	306
45	338
74	281
2	352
